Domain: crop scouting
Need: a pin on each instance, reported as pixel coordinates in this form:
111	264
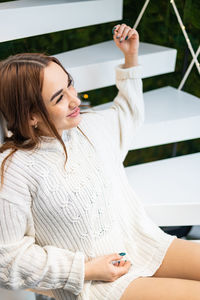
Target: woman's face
60	98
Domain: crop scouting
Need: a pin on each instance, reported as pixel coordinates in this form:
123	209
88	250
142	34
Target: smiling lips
74	113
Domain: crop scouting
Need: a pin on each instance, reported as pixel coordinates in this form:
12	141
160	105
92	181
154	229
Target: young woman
67	211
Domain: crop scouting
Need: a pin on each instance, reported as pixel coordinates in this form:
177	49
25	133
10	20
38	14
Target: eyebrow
56	94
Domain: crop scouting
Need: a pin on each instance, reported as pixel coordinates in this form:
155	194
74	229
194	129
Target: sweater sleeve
126	115
23	263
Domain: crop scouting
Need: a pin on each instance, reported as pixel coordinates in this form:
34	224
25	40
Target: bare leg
151	288
179	276
182	260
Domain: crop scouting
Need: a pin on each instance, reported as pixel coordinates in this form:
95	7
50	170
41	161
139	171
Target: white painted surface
93	66
24	18
170	116
169	189
16	295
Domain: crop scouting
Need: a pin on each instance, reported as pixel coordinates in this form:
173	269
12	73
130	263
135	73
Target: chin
73	124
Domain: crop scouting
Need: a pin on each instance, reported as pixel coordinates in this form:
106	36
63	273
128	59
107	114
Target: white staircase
24	18
88	65
171	116
169	188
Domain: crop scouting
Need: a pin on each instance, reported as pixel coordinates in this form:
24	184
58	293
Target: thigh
151	288
182	260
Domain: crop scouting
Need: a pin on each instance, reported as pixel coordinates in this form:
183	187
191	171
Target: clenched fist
126	39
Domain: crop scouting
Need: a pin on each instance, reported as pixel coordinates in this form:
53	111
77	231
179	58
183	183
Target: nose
74	100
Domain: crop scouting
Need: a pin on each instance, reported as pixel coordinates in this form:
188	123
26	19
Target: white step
170	116
93	66
169	189
16	295
24	18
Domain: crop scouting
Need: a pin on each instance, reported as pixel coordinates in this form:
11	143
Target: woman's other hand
101	268
126	39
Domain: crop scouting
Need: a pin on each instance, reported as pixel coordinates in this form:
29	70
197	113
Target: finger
122	263
132	33
124	269
124	34
120	30
119	263
115	28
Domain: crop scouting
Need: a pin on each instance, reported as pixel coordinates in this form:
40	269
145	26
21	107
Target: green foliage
139	156
159	25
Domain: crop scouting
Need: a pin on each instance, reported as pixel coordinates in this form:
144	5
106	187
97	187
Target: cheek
58	113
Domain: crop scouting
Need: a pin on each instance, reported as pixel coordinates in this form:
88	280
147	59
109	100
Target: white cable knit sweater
52	219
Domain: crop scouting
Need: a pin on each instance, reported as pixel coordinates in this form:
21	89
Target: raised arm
128	107
119	124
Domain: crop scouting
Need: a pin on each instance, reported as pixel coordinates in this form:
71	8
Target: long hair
21	81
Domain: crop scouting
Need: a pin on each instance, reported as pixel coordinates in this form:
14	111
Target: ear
33	120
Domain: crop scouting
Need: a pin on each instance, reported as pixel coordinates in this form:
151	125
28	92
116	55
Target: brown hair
21	80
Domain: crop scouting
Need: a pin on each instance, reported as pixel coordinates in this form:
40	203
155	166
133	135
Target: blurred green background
159	25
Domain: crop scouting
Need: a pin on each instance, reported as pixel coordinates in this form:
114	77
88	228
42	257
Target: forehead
54	79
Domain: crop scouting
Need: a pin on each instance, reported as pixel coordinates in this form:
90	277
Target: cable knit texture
54	219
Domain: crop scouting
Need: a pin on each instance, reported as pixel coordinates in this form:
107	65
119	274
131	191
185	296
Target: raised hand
126	39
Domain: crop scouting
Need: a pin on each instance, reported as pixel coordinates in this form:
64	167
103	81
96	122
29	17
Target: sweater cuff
75	281
133	72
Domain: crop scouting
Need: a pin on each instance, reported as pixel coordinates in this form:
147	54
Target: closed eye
69	83
59	99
